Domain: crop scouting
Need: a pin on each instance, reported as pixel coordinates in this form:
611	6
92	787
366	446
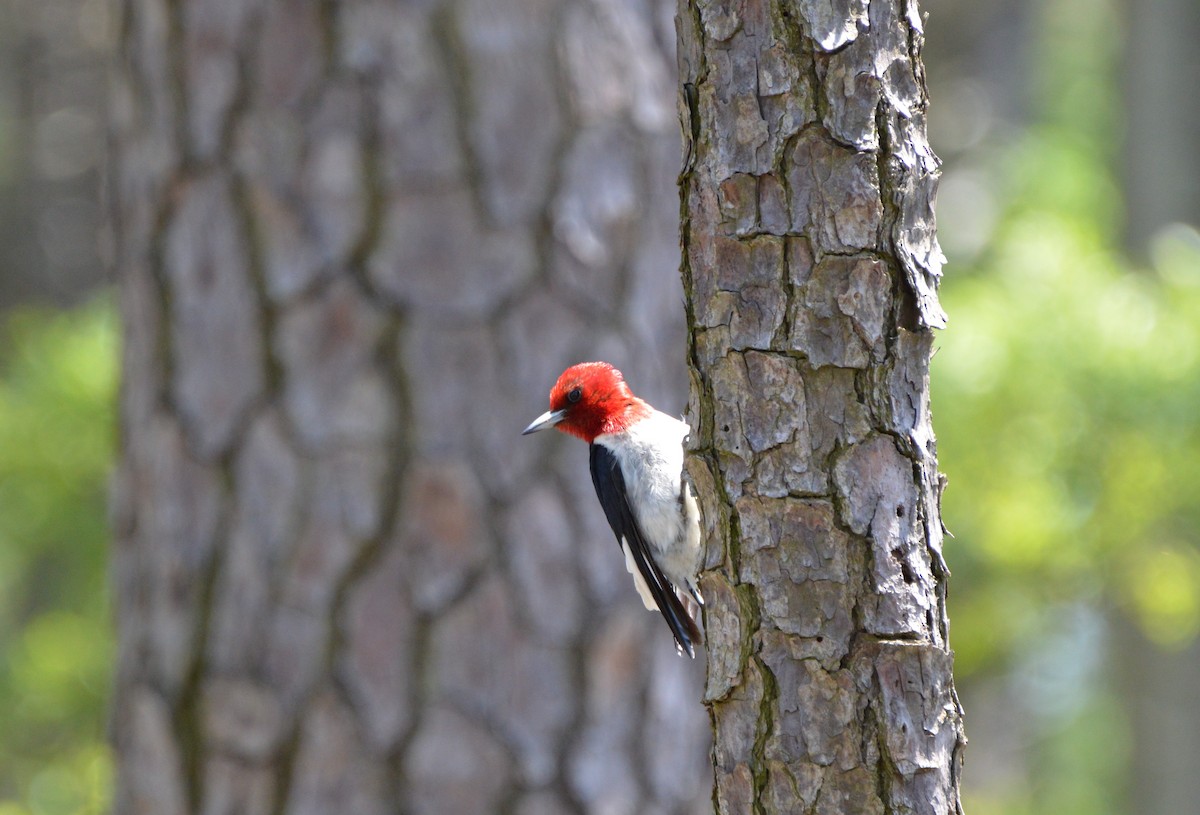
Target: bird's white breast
650	454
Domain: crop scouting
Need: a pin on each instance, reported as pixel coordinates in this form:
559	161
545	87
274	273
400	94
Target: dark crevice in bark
960	746
456	65
904	306
375	194
164	350
568	742
545	241
642	757
187	710
329	22
285	767
884	770
272	367
387	358
764	727
239	104
419	694
177	79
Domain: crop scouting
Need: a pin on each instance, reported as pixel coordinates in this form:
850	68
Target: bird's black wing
610	489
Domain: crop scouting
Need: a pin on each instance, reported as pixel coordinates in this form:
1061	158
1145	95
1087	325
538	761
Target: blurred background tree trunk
1156	685
52	57
356	242
811	270
1160	698
1161	69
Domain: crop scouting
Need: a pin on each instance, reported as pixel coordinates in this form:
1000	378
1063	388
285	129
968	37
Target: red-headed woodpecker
637	469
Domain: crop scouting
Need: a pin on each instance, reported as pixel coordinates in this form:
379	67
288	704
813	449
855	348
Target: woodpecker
637	469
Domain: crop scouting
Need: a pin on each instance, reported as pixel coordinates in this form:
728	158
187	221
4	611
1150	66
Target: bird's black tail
691	624
682	614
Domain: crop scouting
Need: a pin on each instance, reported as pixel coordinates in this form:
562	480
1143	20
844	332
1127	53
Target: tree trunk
1156	685
1158	693
1161	119
356	242
810	274
52	56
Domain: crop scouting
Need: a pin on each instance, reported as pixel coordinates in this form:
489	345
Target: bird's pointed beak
548	419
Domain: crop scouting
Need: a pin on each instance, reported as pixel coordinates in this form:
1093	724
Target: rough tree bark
356	242
810	273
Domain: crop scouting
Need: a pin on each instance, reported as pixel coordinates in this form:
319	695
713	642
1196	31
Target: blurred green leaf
1067	420
57	388
1066	397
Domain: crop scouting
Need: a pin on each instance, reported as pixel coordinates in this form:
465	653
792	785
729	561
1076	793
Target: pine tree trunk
810	274
356	242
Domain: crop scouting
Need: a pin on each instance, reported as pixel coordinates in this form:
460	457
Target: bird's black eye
575	395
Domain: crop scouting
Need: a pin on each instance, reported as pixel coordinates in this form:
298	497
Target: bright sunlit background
1065	400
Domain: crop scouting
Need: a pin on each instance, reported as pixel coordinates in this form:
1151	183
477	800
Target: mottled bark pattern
356	243
811	271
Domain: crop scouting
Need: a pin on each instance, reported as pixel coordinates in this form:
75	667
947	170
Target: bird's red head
590	399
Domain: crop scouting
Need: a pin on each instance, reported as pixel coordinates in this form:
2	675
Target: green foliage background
57	388
1066	400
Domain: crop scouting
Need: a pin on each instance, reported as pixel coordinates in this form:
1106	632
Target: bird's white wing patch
691	512
639	582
